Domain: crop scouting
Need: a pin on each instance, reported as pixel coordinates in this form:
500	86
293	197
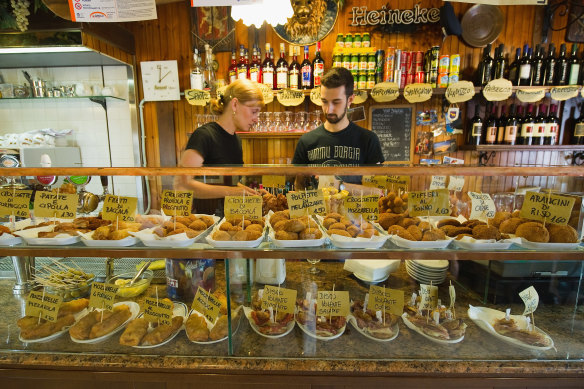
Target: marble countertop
410	353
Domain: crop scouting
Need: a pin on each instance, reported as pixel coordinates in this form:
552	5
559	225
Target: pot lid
481	25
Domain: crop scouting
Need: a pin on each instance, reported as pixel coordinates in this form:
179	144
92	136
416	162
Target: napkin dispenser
270	271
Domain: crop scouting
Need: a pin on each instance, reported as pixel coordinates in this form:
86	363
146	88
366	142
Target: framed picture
212	25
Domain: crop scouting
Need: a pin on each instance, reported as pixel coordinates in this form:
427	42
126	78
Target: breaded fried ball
516	213
472	223
424	226
280	226
562	234
400	231
328	222
310	234
285	235
454	231
389	219
198	225
221	235
448	222
183	219
225	226
255	227
345	221
252	234
294	225
415	232
337	226
207	219
533	232
334	215
433	235
339	232
240	236
406	222
367	233
509	226
500	217
366	226
258	222
486	232
353	231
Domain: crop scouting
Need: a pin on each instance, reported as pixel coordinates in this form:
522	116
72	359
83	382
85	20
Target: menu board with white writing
393	126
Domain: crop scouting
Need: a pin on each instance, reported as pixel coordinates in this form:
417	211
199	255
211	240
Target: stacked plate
426	271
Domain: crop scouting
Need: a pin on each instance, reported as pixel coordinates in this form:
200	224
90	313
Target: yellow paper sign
392	300
49	204
119	208
530	298
290	97
44	305
366	207
207	304
177	202
498	90
308	202
429	203
562	93
197	97
360	96
280	299
374	181
384	92
15	202
266	92
418	93
530	95
332	303
398	182
102	296
547	207
247	207
438	182
456	183
315	96
428	296
278	182
158	311
459	92
482	206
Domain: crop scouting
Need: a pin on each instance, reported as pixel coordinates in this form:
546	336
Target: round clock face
160	80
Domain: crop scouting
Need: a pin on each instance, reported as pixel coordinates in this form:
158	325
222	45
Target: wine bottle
527	124
539	127
500	62
268	78
491	125
537	67
510	136
501	125
549	66
294	69
255	68
485	70
317	66
525	67
552	127
242	68
578	134
282	69
232	70
574	66
475	132
197	79
306	71
561	76
514	68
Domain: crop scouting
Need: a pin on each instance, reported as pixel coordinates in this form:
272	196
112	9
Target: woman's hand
240	189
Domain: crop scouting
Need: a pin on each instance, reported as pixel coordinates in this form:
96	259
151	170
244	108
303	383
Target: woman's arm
192	158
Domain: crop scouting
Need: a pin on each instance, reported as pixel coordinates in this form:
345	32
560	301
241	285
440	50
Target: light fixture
273	12
47	49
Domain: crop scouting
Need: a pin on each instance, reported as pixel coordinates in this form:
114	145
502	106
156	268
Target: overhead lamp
273	12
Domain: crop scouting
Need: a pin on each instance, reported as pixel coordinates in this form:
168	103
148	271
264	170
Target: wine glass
313	269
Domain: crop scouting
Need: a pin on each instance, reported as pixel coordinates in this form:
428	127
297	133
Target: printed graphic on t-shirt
332	155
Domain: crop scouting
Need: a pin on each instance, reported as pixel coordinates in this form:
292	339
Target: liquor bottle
232	71
562	69
485	70
282	69
514	68
197	80
294	69
317	66
500	62
255	68
573	66
527	124
209	69
537	67
501	125
306	71
510	127
549	66
539	128
552	129
242	68
268	78
491	123
525	67
578	134
475	131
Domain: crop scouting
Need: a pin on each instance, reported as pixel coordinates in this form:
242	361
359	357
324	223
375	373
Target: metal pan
481	25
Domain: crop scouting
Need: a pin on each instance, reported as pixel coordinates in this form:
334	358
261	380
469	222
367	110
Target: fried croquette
285	235
486	232
198	225
280	226
388	219
500	217
328	222
339	232
221	235
353	230
509	226
562	234
433	235
406	222
448	222
400	231
294	225
208	220
255	227
533	232
225	226
424	226
312	233
334	215
415	231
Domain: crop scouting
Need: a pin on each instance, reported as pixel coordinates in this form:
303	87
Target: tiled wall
88	120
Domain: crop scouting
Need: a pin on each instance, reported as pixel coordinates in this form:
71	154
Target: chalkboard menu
393	126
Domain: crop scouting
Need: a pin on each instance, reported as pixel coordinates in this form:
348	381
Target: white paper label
92	11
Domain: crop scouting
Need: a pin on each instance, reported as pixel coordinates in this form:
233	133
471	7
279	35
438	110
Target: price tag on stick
207	304
279	299
45	306
103	296
530	298
119	208
278	182
177	202
54	204
15	202
366	207
158	311
248	207
332	303
309	201
429	296
391	300
438	182
547	207
482	206
429	203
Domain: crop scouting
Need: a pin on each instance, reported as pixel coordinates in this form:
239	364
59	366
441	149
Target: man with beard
338	141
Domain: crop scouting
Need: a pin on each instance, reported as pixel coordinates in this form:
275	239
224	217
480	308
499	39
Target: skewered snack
196	328
261	318
134	332
321	325
334	199
370	323
63	280
237	229
272	202
393	203
162	331
509	327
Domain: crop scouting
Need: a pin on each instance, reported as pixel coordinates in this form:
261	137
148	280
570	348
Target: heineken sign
385	16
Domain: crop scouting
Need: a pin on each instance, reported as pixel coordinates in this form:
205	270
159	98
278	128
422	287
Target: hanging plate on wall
310	23
481	25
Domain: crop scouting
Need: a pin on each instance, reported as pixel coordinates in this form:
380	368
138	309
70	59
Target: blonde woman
216	143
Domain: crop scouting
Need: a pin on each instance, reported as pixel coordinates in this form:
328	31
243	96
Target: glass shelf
62	98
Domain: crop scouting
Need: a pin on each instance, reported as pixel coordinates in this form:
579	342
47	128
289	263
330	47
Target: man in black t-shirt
338	142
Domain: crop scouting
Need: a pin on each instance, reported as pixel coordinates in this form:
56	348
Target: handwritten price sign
279	299
119	208
547	207
392	300
429	203
332	303
177	202
51	204
530	298
248	207
310	201
14	202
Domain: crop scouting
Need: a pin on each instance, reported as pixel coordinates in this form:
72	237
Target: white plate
299	242
254	326
88	241
9	240
484	317
411	326
439	264
231	244
179	309
426	273
548	246
210	326
134	310
77	316
435	219
343	242
307	331
369	280
351	319
469	243
414	244
149	239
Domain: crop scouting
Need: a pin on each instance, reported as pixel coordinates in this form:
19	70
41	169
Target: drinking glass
313	269
269	122
278	122
315	120
300	121
288	125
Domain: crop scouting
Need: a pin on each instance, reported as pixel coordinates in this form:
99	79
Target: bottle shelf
521	148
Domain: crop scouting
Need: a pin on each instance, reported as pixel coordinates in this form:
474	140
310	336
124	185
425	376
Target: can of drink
379	77
434	57
452	78
403	64
363	62
366	40
371	61
444	63
403	80
362	83
379	60
418	61
348	41
420	77
410	78
410	62
388	66
433	78
454	63
442	80
340	41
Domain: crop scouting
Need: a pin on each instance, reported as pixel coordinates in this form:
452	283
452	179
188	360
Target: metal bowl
71	292
481	25
137	288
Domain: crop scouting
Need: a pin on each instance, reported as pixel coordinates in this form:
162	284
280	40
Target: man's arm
300	158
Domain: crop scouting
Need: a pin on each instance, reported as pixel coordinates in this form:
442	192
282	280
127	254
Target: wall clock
160	80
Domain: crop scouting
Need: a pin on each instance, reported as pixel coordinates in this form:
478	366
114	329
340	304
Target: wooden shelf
521	148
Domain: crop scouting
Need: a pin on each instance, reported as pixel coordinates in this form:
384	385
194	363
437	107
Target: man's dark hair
336	77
